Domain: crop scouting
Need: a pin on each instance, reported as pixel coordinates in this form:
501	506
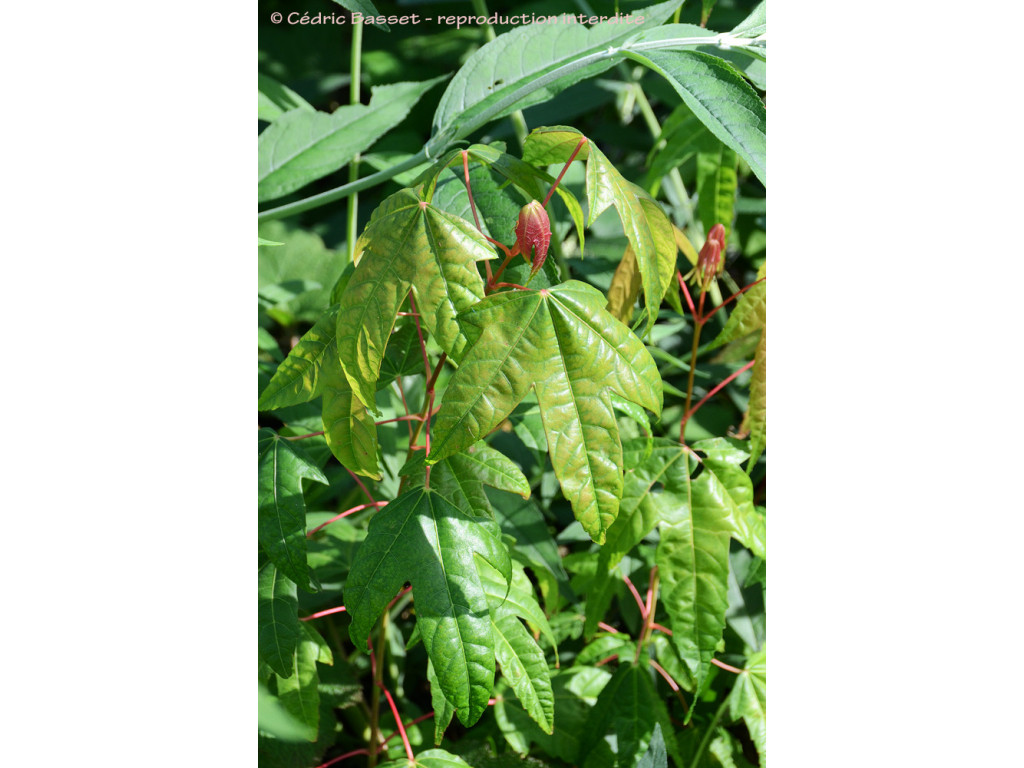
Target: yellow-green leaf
647	228
408	244
563	343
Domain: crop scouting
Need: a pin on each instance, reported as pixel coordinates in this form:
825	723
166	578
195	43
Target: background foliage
598	674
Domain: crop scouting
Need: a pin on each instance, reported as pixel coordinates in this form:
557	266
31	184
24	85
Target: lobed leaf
349	427
408	244
524	666
297	380
563	343
724	461
693	562
423	539
298	692
279	627
461	477
629	707
646	226
654	487
748	700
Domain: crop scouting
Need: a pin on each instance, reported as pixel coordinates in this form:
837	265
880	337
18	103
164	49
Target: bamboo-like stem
353	169
346	513
709	733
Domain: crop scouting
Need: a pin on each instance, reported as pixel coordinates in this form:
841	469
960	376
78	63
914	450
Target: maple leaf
562	342
461	477
408	244
423	539
646	226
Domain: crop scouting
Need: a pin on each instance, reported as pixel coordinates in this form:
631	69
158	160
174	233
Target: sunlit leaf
530	64
562	342
422	539
693	562
276	99
719	96
280	631
748	700
408	244
646	226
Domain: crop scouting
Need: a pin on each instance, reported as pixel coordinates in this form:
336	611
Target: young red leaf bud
718	233
710	258
533	231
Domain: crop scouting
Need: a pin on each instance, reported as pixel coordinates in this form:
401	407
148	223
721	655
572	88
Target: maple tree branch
636	596
726	667
302	437
715	391
319	614
398	719
346	513
412	417
686	292
741	291
360	484
579	145
419	332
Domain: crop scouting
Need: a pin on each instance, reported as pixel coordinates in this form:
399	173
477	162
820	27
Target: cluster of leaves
495	457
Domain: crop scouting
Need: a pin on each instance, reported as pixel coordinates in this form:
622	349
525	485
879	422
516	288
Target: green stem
353	168
709	733
518	121
378	682
340	193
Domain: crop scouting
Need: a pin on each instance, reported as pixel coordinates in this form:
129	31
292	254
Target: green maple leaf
425	540
630	707
408	244
562	342
748	699
461	477
282	510
647	228
432	758
313	369
749	317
